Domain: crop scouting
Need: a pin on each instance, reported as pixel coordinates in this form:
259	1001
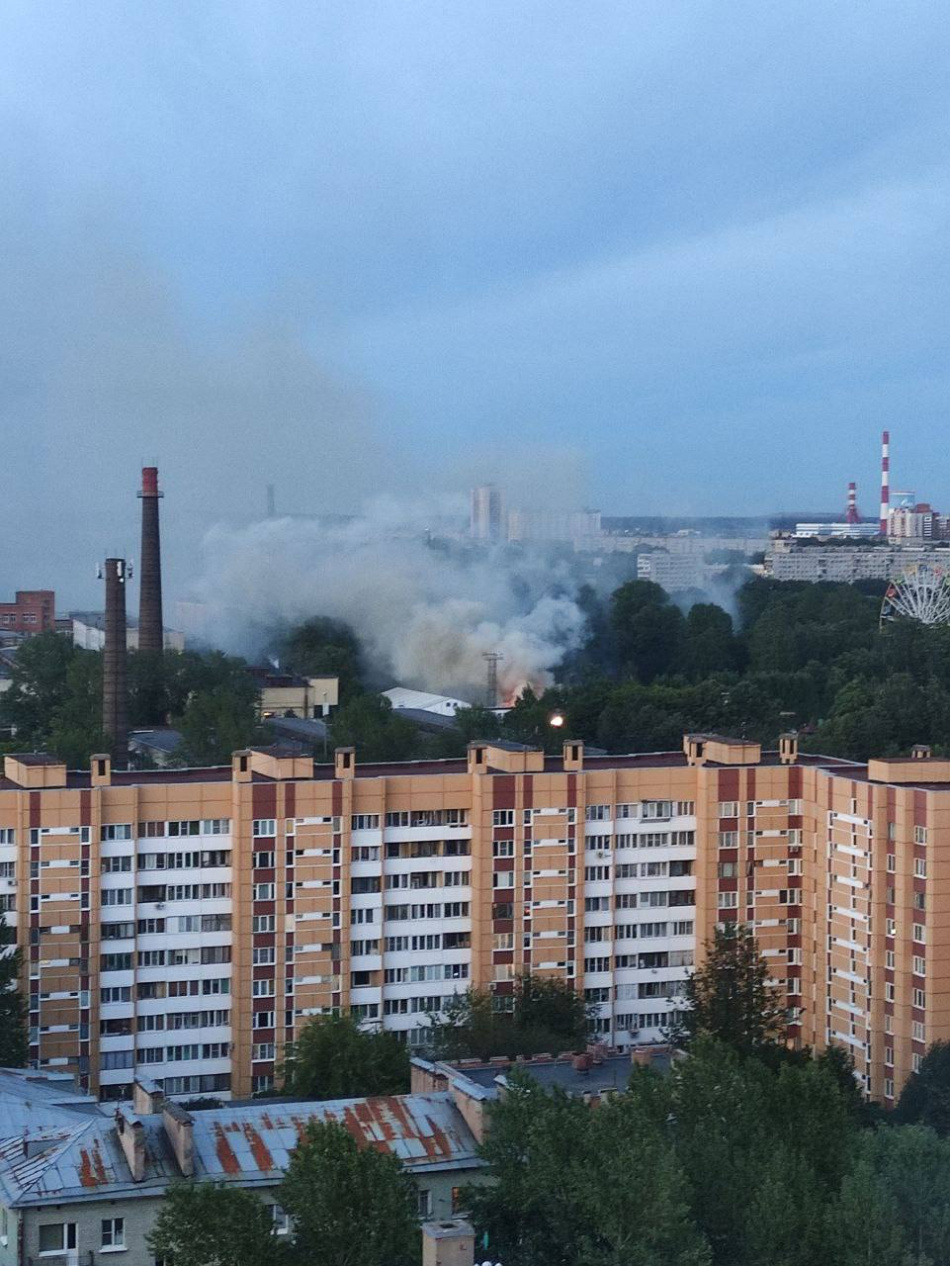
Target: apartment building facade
182	925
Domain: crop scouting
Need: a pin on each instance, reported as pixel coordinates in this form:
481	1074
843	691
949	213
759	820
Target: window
281	1220
597	813
117	897
920	835
728	870
592	904
919	933
264	956
888	1088
119	831
264	861
888	992
920	868
116	865
919	998
263	827
919	967
113	1233
262	923
891	863
115	993
364	822
728	839
263	1020
594	873
728	900
265	892
262	989
503	817
503	848
917	1030
424	1204
728	808
7	835
57	1237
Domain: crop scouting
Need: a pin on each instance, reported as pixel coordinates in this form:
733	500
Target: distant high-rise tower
115	691
486	520
885	481
151	625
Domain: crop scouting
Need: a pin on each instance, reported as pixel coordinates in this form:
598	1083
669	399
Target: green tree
925	1099
371	725
322	646
13	1036
351	1205
333	1058
219	719
648	630
75	730
553	1195
731	996
544	1015
37	687
710	645
202	1224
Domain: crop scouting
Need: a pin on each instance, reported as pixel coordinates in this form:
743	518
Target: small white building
89	632
442	705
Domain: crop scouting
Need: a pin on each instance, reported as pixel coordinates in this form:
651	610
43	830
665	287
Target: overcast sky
675	256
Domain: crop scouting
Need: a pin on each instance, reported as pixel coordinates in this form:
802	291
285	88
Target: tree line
789	655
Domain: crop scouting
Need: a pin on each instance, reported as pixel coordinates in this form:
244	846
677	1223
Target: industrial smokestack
851	515
151	626
885	481
115	691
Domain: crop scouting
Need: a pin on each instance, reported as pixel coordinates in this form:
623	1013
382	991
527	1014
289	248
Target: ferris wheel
920	593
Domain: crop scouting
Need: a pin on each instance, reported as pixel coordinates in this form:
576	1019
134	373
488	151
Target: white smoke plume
424	613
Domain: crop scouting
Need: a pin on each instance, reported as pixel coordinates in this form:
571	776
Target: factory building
32	611
674	572
183	924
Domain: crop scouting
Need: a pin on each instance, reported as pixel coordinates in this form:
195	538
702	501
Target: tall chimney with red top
151	626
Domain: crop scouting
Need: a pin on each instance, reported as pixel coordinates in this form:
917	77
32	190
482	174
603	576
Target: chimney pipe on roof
151	627
115	693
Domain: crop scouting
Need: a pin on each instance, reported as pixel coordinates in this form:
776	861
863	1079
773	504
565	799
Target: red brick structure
34	611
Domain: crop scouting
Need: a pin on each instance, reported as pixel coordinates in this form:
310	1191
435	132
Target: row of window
360	885
425	971
642	962
646	989
639	870
639	900
153	893
427	910
410	944
194	860
409	850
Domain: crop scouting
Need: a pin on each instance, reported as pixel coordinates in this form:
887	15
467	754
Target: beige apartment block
182	925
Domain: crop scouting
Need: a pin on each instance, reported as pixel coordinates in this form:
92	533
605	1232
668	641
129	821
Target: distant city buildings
487	515
88	631
675	572
791	559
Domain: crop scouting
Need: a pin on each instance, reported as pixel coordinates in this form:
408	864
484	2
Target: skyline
651	261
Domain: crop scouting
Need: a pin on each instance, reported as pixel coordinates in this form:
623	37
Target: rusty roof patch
262	1157
228	1161
92	1172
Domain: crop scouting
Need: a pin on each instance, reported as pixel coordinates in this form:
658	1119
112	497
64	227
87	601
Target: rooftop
552	765
58	1146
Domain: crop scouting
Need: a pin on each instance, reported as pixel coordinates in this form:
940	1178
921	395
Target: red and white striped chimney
851	514
885	481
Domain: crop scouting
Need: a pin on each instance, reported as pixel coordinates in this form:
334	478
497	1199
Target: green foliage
351	1206
547	1014
649	632
731	997
13	1014
371	725
555	1197
321	647
55	699
925	1099
333	1058
201	1224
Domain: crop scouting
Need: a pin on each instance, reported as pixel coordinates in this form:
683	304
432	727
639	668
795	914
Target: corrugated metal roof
80	1157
